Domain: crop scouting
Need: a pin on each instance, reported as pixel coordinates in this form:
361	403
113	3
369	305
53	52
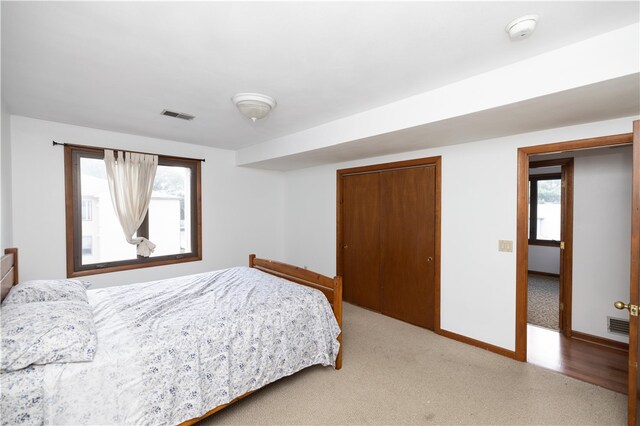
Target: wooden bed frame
8	271
330	287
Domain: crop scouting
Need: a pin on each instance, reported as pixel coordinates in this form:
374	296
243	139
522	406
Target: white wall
6	234
478	208
245	210
601	241
242	209
544	259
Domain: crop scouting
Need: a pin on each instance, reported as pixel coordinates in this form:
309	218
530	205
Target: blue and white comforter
171	350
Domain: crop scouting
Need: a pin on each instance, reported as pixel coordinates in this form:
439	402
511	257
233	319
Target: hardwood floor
581	360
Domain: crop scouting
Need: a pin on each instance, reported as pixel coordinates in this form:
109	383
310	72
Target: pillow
48	291
46	332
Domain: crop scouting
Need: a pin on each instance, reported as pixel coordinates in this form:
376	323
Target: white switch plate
505	245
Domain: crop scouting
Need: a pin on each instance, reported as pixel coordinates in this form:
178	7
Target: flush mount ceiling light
254	105
522	27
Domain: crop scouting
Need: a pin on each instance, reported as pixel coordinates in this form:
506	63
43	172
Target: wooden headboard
8	271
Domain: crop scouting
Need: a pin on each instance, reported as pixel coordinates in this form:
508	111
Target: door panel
407	242
361	239
566	258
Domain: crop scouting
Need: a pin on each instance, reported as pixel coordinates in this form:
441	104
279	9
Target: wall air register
618	326
180	115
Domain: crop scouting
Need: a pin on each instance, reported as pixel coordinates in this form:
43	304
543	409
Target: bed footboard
330	287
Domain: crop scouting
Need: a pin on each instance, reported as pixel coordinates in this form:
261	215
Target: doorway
600	266
550	243
388	242
632	251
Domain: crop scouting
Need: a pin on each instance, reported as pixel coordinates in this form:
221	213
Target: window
87	213
96	242
545	210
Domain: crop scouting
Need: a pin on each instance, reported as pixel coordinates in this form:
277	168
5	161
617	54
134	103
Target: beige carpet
395	373
543	301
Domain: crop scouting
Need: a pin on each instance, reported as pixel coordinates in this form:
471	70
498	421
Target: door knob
429	259
633	309
621	305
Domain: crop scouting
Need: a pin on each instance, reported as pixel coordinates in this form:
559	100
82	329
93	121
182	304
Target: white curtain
130	178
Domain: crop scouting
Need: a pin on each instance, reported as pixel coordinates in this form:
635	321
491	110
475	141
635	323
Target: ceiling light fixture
254	105
522	27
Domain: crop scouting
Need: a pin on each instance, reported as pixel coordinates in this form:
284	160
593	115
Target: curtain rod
136	152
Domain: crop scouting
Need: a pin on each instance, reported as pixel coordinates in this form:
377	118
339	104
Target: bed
172	351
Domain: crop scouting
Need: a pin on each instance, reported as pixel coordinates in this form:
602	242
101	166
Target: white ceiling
116	66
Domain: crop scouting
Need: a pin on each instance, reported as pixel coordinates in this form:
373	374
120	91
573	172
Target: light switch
505	245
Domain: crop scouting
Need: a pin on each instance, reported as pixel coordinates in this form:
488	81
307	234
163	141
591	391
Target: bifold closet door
361	239
407	244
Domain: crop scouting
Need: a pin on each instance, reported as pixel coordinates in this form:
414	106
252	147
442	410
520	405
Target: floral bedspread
171	350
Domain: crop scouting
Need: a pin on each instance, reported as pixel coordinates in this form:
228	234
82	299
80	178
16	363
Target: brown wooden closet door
361	240
407	244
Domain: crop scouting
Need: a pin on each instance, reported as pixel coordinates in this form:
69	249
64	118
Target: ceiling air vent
180	115
618	326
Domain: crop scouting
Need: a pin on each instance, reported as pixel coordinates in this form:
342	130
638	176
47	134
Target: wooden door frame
634	283
566	236
522	241
420	162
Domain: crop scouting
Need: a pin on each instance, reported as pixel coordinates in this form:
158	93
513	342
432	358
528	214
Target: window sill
131	266
544	243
